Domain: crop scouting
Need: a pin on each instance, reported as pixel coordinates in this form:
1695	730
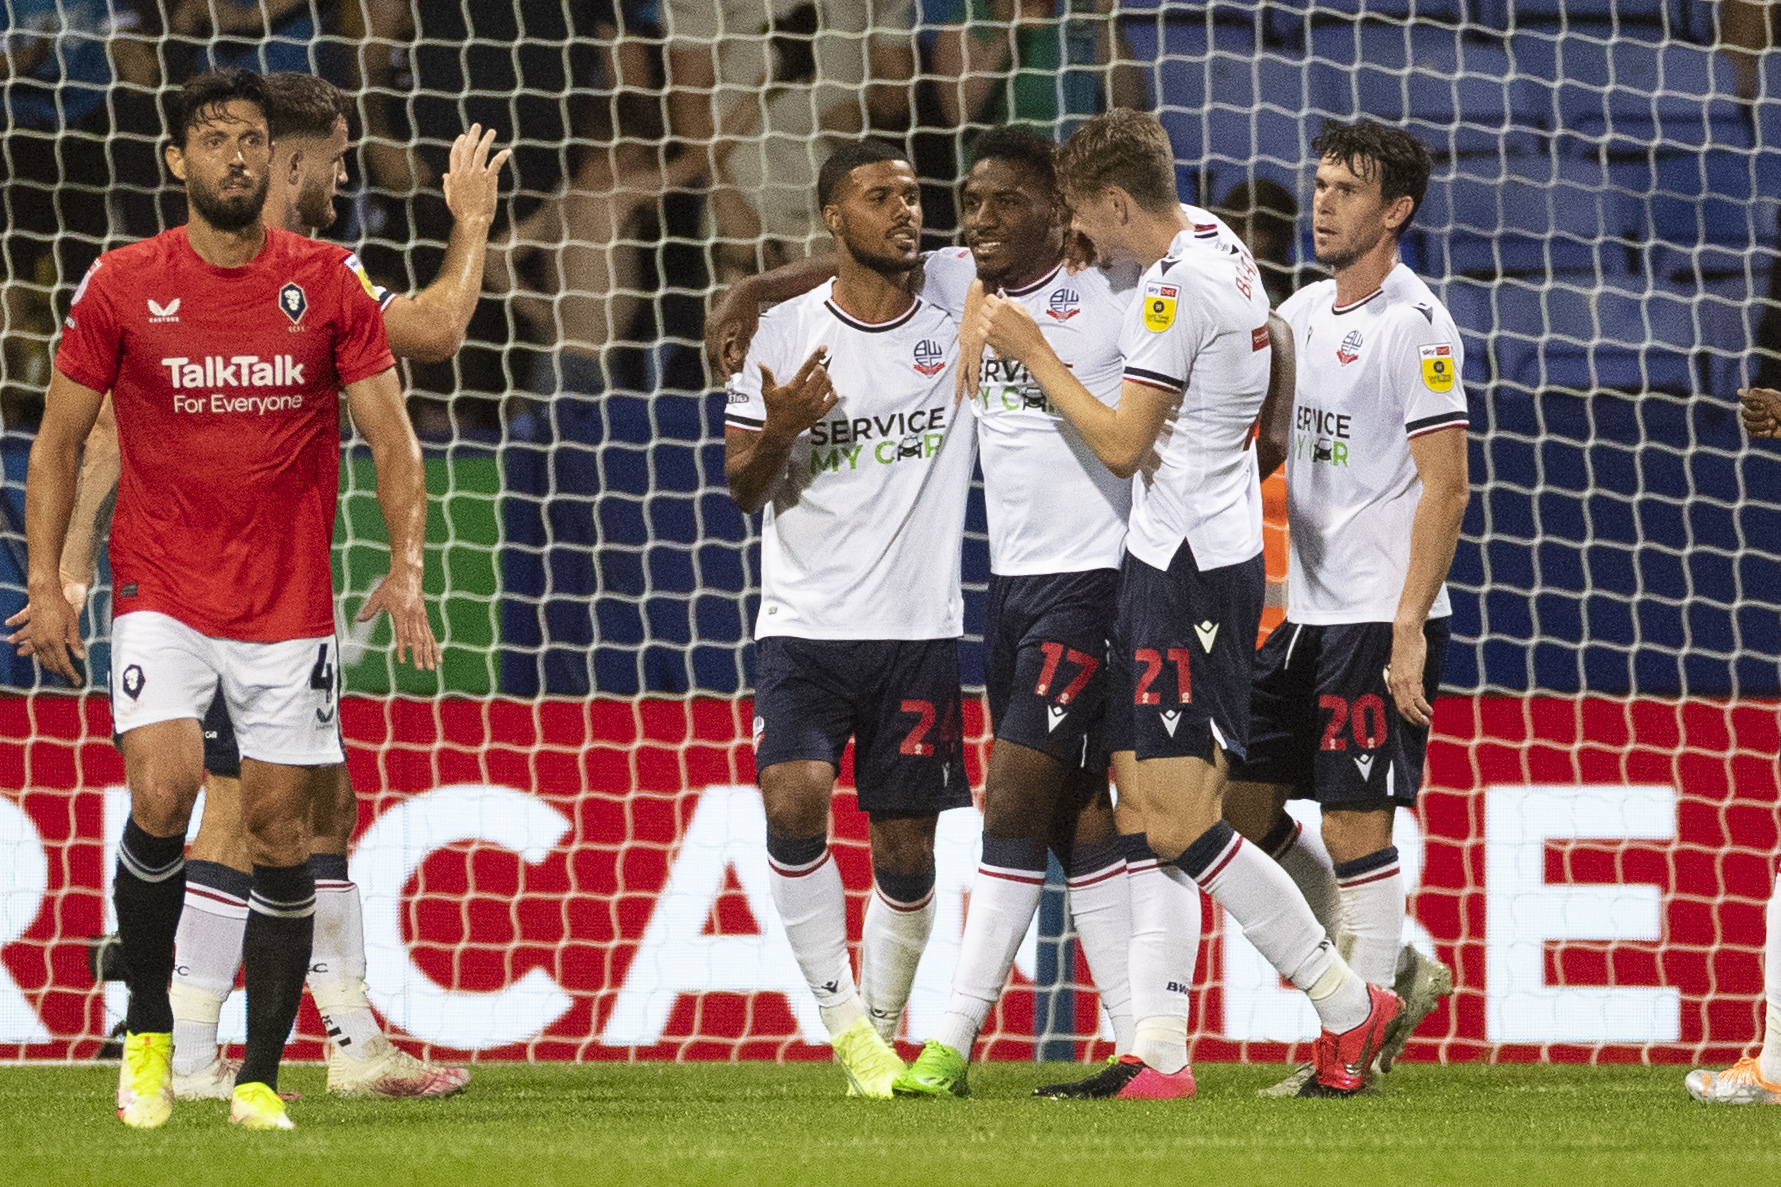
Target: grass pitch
602	1125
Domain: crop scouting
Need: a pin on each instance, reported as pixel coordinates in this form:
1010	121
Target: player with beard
307	117
863	479
226	345
1376	489
1056	531
1196	346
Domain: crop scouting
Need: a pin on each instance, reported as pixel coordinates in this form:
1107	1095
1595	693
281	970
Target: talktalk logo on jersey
1350	348
1063	304
242	370
930	357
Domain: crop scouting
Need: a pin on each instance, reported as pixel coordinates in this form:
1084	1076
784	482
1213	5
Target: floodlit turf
602	1124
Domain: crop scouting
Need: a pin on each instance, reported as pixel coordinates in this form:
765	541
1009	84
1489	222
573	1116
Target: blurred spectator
1043	63
62	58
813	70
1264	215
1746	32
260	35
1033	62
575	268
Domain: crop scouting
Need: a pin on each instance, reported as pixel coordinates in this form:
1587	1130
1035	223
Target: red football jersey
227	387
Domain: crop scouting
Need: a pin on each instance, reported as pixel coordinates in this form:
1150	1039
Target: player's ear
1399	212
294	174
175	156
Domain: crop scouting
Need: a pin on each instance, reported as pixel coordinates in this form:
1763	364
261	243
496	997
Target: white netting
1601	223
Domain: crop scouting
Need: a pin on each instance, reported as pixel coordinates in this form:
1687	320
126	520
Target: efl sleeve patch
1159	305
1437	368
357	269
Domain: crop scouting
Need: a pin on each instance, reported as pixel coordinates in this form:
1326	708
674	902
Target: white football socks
1307	863
1277	920
207	954
813	908
1372	894
1164	946
1004	896
1771	980
895	933
337	959
1101	905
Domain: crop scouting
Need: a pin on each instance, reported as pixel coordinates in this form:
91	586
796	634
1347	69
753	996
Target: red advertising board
586	880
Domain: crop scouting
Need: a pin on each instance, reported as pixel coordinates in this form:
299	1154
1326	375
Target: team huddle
1103	350
1114	409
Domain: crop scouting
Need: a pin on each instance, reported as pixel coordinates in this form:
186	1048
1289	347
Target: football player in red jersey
226	345
307	117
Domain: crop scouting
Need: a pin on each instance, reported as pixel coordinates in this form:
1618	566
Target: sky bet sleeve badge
1159	306
1437	368
358	269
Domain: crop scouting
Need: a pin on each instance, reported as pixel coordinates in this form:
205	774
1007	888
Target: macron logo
163	313
1365	763
1057	716
1171	719
1208	633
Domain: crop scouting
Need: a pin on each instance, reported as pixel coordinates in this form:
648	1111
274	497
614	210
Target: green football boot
938	1071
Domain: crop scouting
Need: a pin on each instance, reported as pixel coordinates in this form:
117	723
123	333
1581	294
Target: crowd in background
663	148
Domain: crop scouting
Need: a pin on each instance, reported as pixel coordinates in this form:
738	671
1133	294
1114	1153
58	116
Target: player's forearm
402	497
754	463
1112	437
429	327
49	500
1276	416
94	495
785	282
1434	535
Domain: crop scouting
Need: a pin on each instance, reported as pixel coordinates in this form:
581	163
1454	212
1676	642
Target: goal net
560	851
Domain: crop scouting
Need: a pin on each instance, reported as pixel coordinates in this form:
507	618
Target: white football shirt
1199	327
861	535
1052	506
1371	376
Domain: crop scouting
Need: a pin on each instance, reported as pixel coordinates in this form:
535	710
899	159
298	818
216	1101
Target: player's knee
278	839
1352	833
1254	809
903	844
162	795
796	798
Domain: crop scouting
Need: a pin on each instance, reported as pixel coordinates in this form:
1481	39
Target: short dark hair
847	157
1123	148
1022	146
303	105
1263	202
1371	149
205	95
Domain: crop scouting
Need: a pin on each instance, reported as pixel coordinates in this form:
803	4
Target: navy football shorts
1324	723
1184	657
897	699
1045	665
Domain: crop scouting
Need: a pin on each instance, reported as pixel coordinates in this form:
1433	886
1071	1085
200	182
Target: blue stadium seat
1461	95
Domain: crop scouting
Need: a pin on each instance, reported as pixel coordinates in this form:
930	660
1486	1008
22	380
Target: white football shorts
284	698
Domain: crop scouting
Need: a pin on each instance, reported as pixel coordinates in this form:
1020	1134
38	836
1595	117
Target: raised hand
795	406
473	181
1007	328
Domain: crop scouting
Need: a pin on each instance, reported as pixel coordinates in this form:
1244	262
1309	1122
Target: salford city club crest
294	301
1159	305
1350	348
1437	368
1063	304
930	358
